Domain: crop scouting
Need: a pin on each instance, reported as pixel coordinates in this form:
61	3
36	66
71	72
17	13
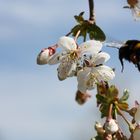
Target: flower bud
99	128
111	126
81	98
44	55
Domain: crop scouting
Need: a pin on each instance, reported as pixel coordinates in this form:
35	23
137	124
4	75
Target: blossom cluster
85	61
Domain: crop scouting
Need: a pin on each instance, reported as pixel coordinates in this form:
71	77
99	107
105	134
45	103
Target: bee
130	51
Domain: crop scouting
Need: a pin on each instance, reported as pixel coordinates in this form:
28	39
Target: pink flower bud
45	55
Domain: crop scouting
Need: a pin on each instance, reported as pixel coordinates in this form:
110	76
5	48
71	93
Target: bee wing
114	44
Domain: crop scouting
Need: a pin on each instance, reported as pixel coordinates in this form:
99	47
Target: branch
91	11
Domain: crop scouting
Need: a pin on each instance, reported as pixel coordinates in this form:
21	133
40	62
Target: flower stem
68	33
119	111
91	11
110	112
76	36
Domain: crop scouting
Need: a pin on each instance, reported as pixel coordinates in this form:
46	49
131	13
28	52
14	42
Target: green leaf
82	13
104	110
98	138
96	33
75	29
84	34
125	96
101	98
79	19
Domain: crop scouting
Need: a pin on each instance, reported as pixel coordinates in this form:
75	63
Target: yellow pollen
73	55
92	80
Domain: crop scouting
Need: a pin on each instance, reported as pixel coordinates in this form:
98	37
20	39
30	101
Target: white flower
136	134
70	55
137	115
135	7
111	126
44	56
94	72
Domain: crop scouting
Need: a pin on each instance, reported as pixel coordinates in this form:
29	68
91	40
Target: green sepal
102	99
104	110
79	18
112	92
123	106
125	96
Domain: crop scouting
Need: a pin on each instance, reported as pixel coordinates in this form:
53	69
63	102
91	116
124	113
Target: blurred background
34	104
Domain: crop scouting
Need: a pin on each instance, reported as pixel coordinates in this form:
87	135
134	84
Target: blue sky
34	104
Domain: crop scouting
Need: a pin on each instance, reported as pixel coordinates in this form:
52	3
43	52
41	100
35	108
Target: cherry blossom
72	53
94	72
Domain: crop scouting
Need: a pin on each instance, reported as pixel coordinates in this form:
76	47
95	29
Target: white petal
82	74
72	70
43	57
67	43
66	68
55	59
100	58
137	115
91	46
84	80
103	73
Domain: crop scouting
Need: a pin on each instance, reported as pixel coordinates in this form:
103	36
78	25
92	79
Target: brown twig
91	12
